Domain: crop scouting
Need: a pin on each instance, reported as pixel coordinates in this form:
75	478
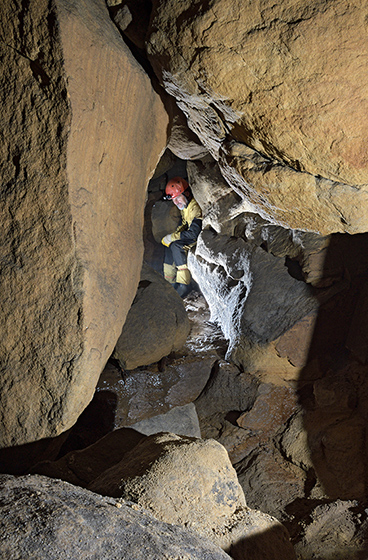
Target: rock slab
50	519
75	166
277	94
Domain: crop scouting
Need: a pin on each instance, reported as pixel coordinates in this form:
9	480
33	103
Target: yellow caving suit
177	244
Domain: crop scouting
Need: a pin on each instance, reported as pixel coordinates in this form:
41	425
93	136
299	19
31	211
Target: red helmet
176	186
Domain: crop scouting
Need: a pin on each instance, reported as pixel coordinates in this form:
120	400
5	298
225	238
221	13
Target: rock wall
278	95
82	132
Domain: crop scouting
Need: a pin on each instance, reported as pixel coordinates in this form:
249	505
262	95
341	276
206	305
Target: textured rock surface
250	292
336	530
271	484
227	389
191	482
277	94
218	201
72	201
153	390
48	519
156	324
174	381
83	466
145	473
181	420
183	142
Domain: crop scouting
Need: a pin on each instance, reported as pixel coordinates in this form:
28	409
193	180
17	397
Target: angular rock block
156	324
82	133
50	519
277	94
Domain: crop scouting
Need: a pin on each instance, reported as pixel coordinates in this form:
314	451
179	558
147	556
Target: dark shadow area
95	422
270	543
333	385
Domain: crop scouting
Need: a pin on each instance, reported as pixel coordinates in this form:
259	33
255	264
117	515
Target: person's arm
190	235
170	237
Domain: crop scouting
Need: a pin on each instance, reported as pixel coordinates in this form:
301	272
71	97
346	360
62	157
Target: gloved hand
166	240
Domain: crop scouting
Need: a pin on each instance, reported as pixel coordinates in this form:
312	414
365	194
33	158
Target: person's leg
169	267
183	276
179	254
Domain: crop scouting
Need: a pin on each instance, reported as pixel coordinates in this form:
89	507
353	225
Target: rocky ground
294	443
296	448
272	430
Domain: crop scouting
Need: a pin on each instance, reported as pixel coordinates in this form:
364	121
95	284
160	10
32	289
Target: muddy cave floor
299	451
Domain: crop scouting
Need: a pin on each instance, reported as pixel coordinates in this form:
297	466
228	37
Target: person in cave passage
178	243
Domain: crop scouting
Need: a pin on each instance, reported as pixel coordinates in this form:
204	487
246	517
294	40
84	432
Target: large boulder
191	482
50	519
75	166
142	393
156	325
278	94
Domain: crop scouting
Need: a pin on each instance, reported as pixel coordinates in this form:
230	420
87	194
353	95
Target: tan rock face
190	482
54	519
156	324
277	93
80	146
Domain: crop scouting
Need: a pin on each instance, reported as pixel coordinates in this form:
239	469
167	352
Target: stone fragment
243	413
132	18
218	201
227	390
146	392
276	97
238	442
272	408
181	420
183	142
123	17
294	442
296	342
156	324
269	482
168	164
72	200
50	519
